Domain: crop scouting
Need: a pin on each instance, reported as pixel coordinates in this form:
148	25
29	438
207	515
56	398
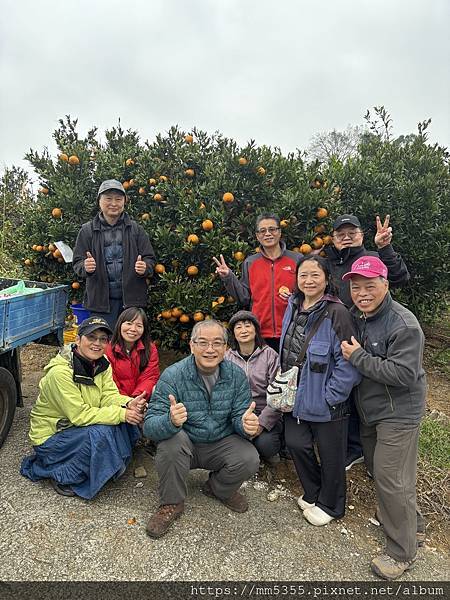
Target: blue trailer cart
25	317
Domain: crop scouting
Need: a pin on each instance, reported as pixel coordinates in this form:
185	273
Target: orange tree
196	195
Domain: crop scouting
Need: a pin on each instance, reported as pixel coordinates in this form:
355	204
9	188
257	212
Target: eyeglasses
203	344
349	234
102	339
265	230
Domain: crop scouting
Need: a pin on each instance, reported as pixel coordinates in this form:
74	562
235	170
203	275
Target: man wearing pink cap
390	400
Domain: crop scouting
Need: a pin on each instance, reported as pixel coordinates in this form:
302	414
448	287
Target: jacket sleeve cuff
386	251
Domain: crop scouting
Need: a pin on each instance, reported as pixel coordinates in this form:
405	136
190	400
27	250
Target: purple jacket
260	369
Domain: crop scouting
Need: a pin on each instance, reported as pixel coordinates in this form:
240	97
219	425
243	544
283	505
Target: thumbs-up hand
140	266
139	402
250	421
89	263
178	412
349	347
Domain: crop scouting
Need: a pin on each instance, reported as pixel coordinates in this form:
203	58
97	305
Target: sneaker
237	502
303	504
163	518
316	516
388	568
353	460
62	490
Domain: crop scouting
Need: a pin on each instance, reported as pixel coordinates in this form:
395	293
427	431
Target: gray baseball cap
111	184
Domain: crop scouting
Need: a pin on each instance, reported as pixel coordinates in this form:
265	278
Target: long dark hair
325	267
130	314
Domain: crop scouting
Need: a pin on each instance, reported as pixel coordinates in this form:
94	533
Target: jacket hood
64	357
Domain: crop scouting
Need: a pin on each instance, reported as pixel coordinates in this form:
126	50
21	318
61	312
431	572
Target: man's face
368	293
347	236
112	204
92	346
208	348
268	233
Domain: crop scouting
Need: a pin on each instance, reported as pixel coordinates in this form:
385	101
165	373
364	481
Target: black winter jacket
393	387
340	262
135	242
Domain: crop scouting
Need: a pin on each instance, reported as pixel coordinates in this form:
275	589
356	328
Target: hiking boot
163	518
303	504
237	502
388	568
316	516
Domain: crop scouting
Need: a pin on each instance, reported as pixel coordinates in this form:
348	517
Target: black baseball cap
92	324
346	220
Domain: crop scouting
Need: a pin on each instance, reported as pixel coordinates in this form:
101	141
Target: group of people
360	393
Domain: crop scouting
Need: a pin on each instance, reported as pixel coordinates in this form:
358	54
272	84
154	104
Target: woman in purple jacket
250	352
321	407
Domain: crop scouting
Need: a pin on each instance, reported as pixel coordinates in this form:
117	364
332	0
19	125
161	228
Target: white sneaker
303	504
316	516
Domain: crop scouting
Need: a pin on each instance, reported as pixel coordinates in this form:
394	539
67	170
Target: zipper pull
298	420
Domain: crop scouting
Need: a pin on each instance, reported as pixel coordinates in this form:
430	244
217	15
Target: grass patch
434	443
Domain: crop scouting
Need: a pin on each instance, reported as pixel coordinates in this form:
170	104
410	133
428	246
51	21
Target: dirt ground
360	492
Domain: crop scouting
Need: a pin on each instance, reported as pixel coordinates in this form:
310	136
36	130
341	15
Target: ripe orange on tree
44	190
56	213
126	185
202	206
176	312
242	161
317	243
159	268
239	256
321	213
228	197
193	239
184	318
39	248
327	240
188	138
74	160
152	181
129	162
198	316
220	299
142	191
319	228
305	249
166	314
284	223
51	247
163	179
207	225
57	254
145	217
261	171
131	182
192	270
75	285
63	157
157	197
190	172
28	262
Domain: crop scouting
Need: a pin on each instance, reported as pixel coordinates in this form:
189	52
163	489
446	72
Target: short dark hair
259	340
325	266
130	314
267	216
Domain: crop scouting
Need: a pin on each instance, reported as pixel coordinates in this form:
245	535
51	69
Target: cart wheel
8	399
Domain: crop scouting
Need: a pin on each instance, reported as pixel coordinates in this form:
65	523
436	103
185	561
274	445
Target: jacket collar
283	250
85	370
224	371
342	256
98	219
138	347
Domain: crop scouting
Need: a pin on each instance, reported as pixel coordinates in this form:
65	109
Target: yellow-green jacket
63	403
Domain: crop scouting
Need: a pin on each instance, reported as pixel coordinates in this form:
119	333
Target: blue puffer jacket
208	419
326	379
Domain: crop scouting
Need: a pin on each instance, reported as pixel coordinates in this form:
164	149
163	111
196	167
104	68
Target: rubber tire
8	401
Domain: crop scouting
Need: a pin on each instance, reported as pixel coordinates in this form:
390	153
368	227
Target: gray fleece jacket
393	387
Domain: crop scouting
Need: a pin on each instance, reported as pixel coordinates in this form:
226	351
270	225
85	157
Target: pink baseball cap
367	266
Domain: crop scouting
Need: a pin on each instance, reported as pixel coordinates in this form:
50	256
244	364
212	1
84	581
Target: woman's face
131	331
244	331
311	280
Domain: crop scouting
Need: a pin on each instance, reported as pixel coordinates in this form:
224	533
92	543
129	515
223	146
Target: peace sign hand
383	236
222	268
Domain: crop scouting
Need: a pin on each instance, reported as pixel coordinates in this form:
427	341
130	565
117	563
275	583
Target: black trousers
268	443
324	483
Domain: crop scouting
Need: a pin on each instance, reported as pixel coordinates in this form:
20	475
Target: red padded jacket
125	368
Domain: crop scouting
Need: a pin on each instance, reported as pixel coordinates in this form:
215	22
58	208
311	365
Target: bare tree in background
335	144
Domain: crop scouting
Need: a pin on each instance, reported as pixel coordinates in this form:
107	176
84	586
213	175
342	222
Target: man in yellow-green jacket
82	429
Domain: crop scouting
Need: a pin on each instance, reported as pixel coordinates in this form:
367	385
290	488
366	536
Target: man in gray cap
114	254
348	246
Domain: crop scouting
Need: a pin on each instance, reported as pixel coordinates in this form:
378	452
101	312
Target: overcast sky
277	71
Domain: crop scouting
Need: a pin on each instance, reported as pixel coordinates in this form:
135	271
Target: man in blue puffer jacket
201	416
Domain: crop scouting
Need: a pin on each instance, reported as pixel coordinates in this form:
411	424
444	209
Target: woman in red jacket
132	354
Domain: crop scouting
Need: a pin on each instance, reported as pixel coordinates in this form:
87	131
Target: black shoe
61	489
